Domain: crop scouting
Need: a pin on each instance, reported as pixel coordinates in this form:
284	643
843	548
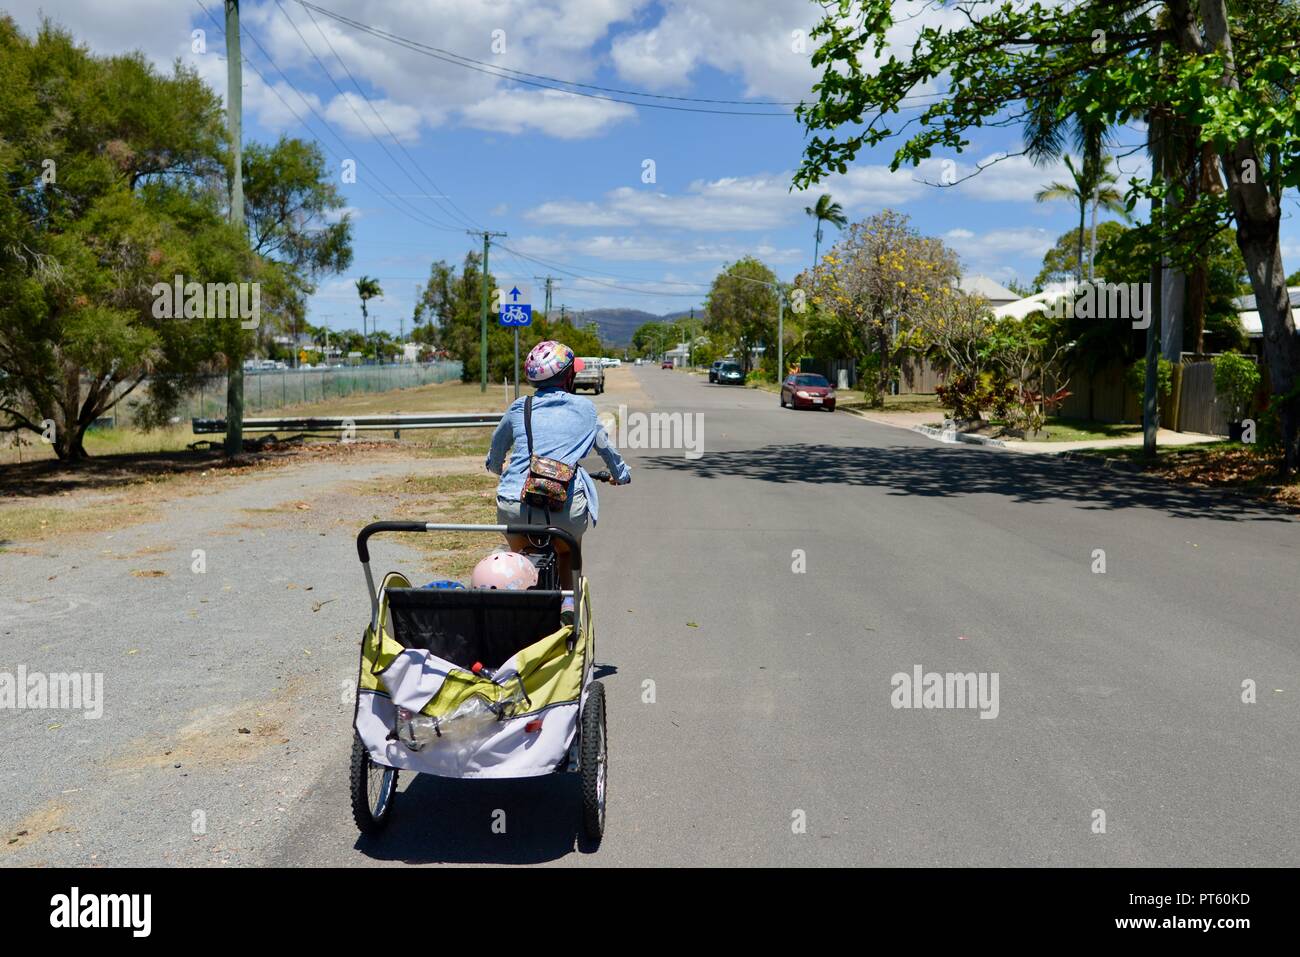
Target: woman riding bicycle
563	428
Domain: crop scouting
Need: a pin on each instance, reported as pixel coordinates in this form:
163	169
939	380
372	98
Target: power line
547	83
409	211
455	211
348	101
552	79
598	282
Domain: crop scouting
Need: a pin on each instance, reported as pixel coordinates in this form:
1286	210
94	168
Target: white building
996	293
1248	312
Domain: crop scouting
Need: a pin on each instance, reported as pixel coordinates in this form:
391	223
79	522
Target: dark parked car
806	390
730	373
713	371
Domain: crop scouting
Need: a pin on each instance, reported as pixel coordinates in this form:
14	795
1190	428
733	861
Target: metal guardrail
358	423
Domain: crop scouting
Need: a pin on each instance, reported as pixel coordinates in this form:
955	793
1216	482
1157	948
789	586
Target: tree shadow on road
444	820
941	472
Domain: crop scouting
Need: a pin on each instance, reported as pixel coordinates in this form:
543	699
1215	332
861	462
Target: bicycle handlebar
363	538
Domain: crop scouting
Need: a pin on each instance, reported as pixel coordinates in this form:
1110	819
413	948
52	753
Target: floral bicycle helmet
549	359
506	570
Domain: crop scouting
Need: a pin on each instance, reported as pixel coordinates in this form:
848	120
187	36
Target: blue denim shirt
565	427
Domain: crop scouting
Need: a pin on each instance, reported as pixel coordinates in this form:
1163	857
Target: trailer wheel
595	763
374	789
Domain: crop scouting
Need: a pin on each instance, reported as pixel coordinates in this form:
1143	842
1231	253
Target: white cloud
988	252
568	213
763	42
562	115
110	28
355	116
640	248
764	201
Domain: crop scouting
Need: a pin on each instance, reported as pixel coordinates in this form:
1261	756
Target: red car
666	364
806	390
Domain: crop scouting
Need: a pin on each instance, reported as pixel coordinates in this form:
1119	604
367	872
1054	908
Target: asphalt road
752	716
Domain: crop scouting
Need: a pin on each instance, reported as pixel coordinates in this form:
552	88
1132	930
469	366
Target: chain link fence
269	389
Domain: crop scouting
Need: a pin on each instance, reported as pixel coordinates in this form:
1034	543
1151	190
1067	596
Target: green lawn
1078	430
1167	454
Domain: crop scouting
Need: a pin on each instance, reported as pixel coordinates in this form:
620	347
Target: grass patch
856	400
460	499
1072	430
22	523
106	442
448	443
451	482
439	397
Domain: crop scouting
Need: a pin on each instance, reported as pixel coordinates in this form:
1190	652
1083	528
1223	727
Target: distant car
713	371
591	376
614	363
730	373
807	390
638	362
666	364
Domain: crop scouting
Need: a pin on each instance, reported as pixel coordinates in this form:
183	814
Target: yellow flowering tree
885	279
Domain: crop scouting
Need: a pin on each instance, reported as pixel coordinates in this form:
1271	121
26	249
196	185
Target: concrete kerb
951	435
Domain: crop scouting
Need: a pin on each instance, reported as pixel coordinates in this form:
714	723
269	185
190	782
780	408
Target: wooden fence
1104	396
1198	408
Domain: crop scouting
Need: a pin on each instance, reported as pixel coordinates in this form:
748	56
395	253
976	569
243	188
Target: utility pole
690	340
483	300
550	282
780	334
1150	397
234	109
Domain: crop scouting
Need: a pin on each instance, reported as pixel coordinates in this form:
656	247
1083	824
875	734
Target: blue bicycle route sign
515	313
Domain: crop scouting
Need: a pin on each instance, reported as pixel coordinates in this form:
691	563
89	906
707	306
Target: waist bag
547	484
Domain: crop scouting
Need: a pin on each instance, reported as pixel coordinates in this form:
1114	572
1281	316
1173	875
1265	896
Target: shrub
970	394
1235	380
1137	377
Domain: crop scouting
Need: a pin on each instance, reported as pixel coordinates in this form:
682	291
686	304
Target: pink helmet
506	570
547	360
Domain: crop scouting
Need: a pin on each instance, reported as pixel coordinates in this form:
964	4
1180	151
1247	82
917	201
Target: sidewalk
911	420
1164	437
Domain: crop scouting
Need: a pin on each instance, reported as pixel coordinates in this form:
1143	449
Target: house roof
1248	312
1040	302
1248	304
994	292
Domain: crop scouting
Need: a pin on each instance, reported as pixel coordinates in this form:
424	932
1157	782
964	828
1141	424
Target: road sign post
514	314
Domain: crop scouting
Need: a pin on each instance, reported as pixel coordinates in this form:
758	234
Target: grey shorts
573	519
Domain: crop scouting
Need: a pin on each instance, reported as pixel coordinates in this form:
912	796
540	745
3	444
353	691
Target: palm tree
825	211
367	288
1093	183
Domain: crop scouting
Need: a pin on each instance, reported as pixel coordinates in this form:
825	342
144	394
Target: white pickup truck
591	376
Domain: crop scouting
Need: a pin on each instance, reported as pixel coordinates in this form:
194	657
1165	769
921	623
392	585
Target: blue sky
563	175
